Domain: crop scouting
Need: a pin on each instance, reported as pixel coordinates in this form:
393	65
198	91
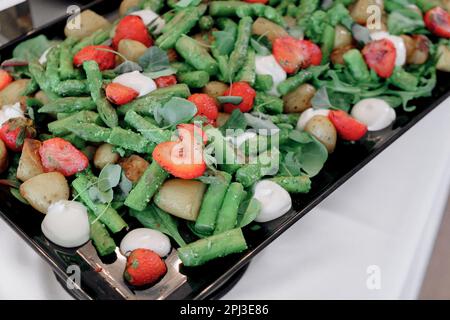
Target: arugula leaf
154	218
127	66
32	49
154	59
175	111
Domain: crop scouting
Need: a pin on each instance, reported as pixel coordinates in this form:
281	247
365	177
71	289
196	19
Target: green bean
250	173
355	62
237	57
291	118
225	154
108	74
63	115
327	43
66	69
195	79
206	23
248	73
211	203
68	105
263	82
227	217
299	184
224	74
292	83
103	212
130	140
52	67
31	88
145	189
96	38
216	246
72	88
181	67
273	15
59	127
38	74
103	242
230	28
404	80
148	130
225	8
305	9
104	108
196	55
89	131
265	103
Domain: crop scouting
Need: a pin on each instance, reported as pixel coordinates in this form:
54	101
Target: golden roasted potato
89	22
361	12
409	44
337	55
3	157
127	5
43	190
342	37
421	50
215	89
104	155
322	128
443	63
300	99
30	164
13	92
222	119
269	29
134	166
181	198
131	49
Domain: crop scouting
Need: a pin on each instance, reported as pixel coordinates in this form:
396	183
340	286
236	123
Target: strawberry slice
183	158
187	130
293	54
60	155
347	127
206	105
437	21
132	27
380	56
119	94
5	79
105	59
240	89
14	132
166	81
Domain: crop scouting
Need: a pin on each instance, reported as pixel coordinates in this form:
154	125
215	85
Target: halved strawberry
5	79
166	81
105	59
60	155
14	132
347	127
380	56
240	89
187	130
293	54
132	27
144	267
119	94
437	21
206	105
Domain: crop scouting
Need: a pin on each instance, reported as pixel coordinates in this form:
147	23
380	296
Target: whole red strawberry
132	27
144	267
100	54
243	90
14	131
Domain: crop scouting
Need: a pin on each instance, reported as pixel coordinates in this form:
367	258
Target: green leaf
248	211
154	218
175	111
187	3
260	49
321	100
162	73
235	121
109	177
100	196
313	156
125	184
300	136
154	59
230	99
260	123
405	21
16	193
224	42
127	66
31	49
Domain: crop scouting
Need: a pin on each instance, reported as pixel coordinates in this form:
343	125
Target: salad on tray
206	115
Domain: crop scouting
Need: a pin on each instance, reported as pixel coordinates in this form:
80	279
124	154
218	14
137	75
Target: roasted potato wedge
13	92
342	37
131	49
443	63
104	155
322	128
215	89
271	30
300	99
30	164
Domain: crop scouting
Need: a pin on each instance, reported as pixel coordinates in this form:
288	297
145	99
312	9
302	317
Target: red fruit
380	56
240	89
60	155
166	81
293	54
206	105
189	129
437	21
14	131
144	267
184	158
105	59
5	79
119	94
347	127
132	27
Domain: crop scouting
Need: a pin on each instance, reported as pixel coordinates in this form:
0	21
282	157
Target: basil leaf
300	136
154	59
127	66
31	49
109	177
230	99
175	111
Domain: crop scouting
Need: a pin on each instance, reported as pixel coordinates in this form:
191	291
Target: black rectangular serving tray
103	279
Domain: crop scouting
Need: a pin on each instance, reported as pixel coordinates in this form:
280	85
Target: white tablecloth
386	216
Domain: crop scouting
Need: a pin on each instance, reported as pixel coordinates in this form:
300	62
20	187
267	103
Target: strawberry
183	158
105	59
206	105
119	94
14	131
5	79
240	89
144	267
132	27
166	81
380	56
347	127
60	155
437	21
293	54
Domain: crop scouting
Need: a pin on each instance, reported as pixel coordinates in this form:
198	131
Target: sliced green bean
194	79
150	131
299	184
228	213
89	131
68	105
130	140
239	54
103	242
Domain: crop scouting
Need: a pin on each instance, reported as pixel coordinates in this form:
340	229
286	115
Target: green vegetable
239	54
252	210
89	131
104	244
227	216
59	127
404	80
248	73
263	82
129	140
175	111
194	79
355	62
196	55
148	130
68	105
298	184
31	49
72	88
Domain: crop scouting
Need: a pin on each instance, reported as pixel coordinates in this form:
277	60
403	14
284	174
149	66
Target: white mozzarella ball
398	43
137	81
275	201
376	114
150	17
308	114
144	238
11	111
66	224
268	65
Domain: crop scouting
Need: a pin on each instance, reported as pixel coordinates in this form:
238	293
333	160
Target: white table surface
386	215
